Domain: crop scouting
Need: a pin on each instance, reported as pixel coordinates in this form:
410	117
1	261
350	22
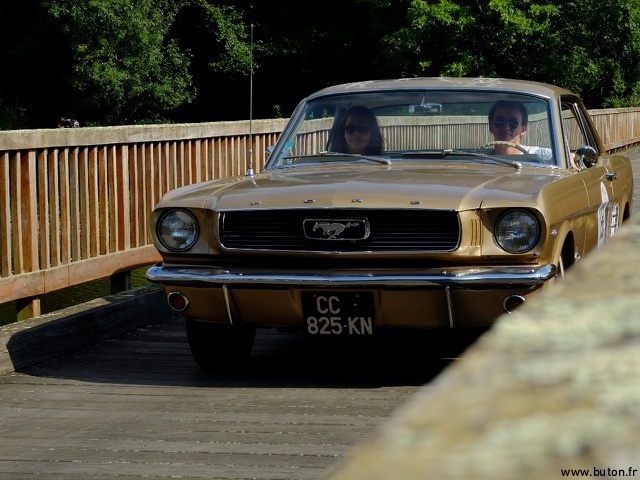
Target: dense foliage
109	62
590	47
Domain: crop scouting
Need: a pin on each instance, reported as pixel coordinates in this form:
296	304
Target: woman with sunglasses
358	133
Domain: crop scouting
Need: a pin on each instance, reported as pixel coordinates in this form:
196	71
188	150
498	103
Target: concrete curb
35	340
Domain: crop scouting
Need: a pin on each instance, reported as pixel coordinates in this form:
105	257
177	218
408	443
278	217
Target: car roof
448	83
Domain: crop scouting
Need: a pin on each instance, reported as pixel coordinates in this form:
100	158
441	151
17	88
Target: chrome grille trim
392	230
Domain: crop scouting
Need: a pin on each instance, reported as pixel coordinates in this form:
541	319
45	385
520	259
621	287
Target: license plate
338	313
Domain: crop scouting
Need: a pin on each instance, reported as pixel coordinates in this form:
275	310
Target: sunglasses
351	129
501	122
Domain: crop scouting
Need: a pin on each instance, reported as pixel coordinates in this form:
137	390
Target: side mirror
586	157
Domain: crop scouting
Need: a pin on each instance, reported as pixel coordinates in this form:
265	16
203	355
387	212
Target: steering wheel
508	144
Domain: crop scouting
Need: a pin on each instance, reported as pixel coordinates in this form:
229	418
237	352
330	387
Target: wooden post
120	281
28	308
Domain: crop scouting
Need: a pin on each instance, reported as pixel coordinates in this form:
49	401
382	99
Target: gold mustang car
414	203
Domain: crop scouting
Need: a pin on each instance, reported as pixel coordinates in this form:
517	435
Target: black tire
219	348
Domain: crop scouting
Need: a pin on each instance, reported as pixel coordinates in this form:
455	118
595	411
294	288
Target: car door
602	210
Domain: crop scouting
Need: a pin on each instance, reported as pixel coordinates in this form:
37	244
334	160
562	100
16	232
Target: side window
572	127
576	129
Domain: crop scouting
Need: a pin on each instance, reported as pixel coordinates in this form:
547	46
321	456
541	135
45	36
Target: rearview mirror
586	157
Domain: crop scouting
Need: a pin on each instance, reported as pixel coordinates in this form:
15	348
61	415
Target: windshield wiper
443	152
382	160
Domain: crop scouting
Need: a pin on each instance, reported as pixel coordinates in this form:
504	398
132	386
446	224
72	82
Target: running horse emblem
333	229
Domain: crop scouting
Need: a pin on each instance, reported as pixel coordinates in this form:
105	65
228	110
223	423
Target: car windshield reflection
322	156
418	125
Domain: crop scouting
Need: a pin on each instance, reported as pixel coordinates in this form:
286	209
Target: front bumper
408	298
455	277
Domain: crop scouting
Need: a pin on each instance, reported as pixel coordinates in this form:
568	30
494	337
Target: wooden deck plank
138	406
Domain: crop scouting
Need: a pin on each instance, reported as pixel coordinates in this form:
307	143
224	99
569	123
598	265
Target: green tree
137	61
589	46
127	69
129	64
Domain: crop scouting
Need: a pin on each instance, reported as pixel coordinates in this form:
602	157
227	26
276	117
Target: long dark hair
376	143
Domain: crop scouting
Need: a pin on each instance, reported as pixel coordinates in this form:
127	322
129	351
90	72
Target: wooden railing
619	128
75	203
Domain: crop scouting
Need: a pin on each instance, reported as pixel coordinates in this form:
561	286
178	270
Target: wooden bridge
75	203
137	405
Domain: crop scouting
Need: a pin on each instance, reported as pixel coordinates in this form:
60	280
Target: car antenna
250	169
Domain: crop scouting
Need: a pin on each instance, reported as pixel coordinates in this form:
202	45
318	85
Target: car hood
451	186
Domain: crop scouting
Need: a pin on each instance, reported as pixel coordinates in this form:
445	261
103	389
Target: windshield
417	125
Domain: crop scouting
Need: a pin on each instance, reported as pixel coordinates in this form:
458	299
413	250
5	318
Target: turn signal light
178	301
512	302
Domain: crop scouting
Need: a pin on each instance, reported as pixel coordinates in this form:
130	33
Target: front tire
219	347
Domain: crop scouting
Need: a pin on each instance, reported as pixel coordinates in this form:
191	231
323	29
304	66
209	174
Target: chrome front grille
389	230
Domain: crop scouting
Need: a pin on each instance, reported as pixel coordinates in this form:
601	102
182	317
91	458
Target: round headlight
177	230
517	231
